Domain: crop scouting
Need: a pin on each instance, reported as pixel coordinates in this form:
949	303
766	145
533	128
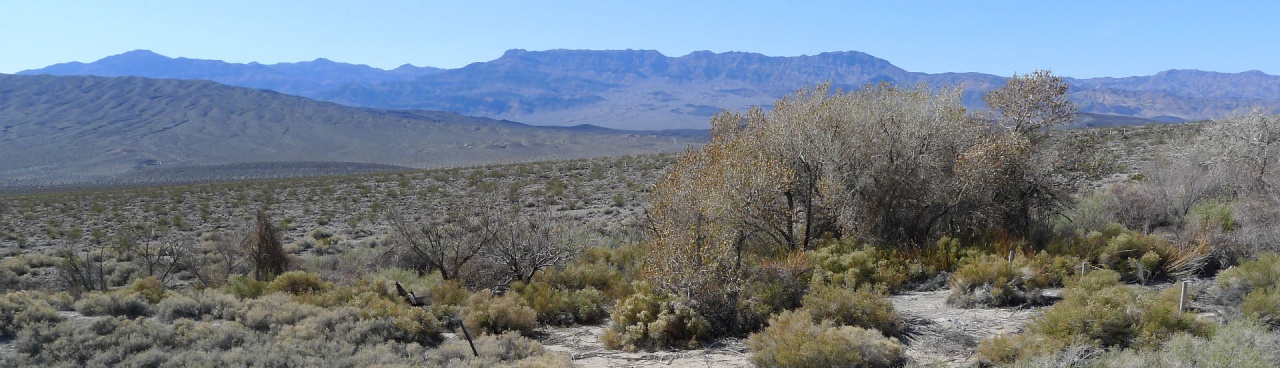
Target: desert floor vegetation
793	234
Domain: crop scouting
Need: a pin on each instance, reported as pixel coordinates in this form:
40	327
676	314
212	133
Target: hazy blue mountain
69	129
644	89
301	78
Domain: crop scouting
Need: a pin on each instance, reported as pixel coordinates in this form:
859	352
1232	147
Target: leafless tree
152	252
217	257
531	243
448	245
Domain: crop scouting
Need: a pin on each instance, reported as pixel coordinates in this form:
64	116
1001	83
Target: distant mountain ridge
300	78
644	89
69	129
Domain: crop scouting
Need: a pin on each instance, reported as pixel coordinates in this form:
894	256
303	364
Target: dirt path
583	344
947	335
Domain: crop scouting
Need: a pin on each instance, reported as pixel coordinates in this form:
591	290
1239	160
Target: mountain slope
302	78
66	129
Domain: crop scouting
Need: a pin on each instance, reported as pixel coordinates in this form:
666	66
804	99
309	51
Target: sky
1080	39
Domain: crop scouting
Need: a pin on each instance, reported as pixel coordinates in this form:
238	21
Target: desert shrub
202	304
1099	311
505	350
498	314
1235	284
150	288
298	282
793	339
647	321
560	306
992	281
119	303
1264	305
20	310
1242	343
862	307
244	287
775	285
844	263
602	268
8	280
273	310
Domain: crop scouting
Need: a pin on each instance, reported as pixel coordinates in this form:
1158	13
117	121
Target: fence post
1182	298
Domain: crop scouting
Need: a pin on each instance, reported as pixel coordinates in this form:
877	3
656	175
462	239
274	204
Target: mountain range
73	130
644	89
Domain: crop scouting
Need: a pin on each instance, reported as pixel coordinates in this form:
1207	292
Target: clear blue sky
1073	38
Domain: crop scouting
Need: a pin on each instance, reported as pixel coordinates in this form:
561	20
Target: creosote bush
793	339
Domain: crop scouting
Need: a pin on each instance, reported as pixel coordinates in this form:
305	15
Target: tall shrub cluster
887	165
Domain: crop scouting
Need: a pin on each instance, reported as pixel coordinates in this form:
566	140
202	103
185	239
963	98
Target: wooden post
468	335
1182	299
1010	256
1084	267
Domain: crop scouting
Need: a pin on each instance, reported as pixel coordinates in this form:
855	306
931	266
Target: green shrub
298	282
1264	305
562	307
244	287
20	310
862	307
114	304
1238	281
841	262
794	340
775	285
498	314
648	321
1099	311
1242	343
150	288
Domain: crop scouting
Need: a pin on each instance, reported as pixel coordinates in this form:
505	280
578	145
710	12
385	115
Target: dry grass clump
793	339
648	321
1098	311
505	350
862	307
